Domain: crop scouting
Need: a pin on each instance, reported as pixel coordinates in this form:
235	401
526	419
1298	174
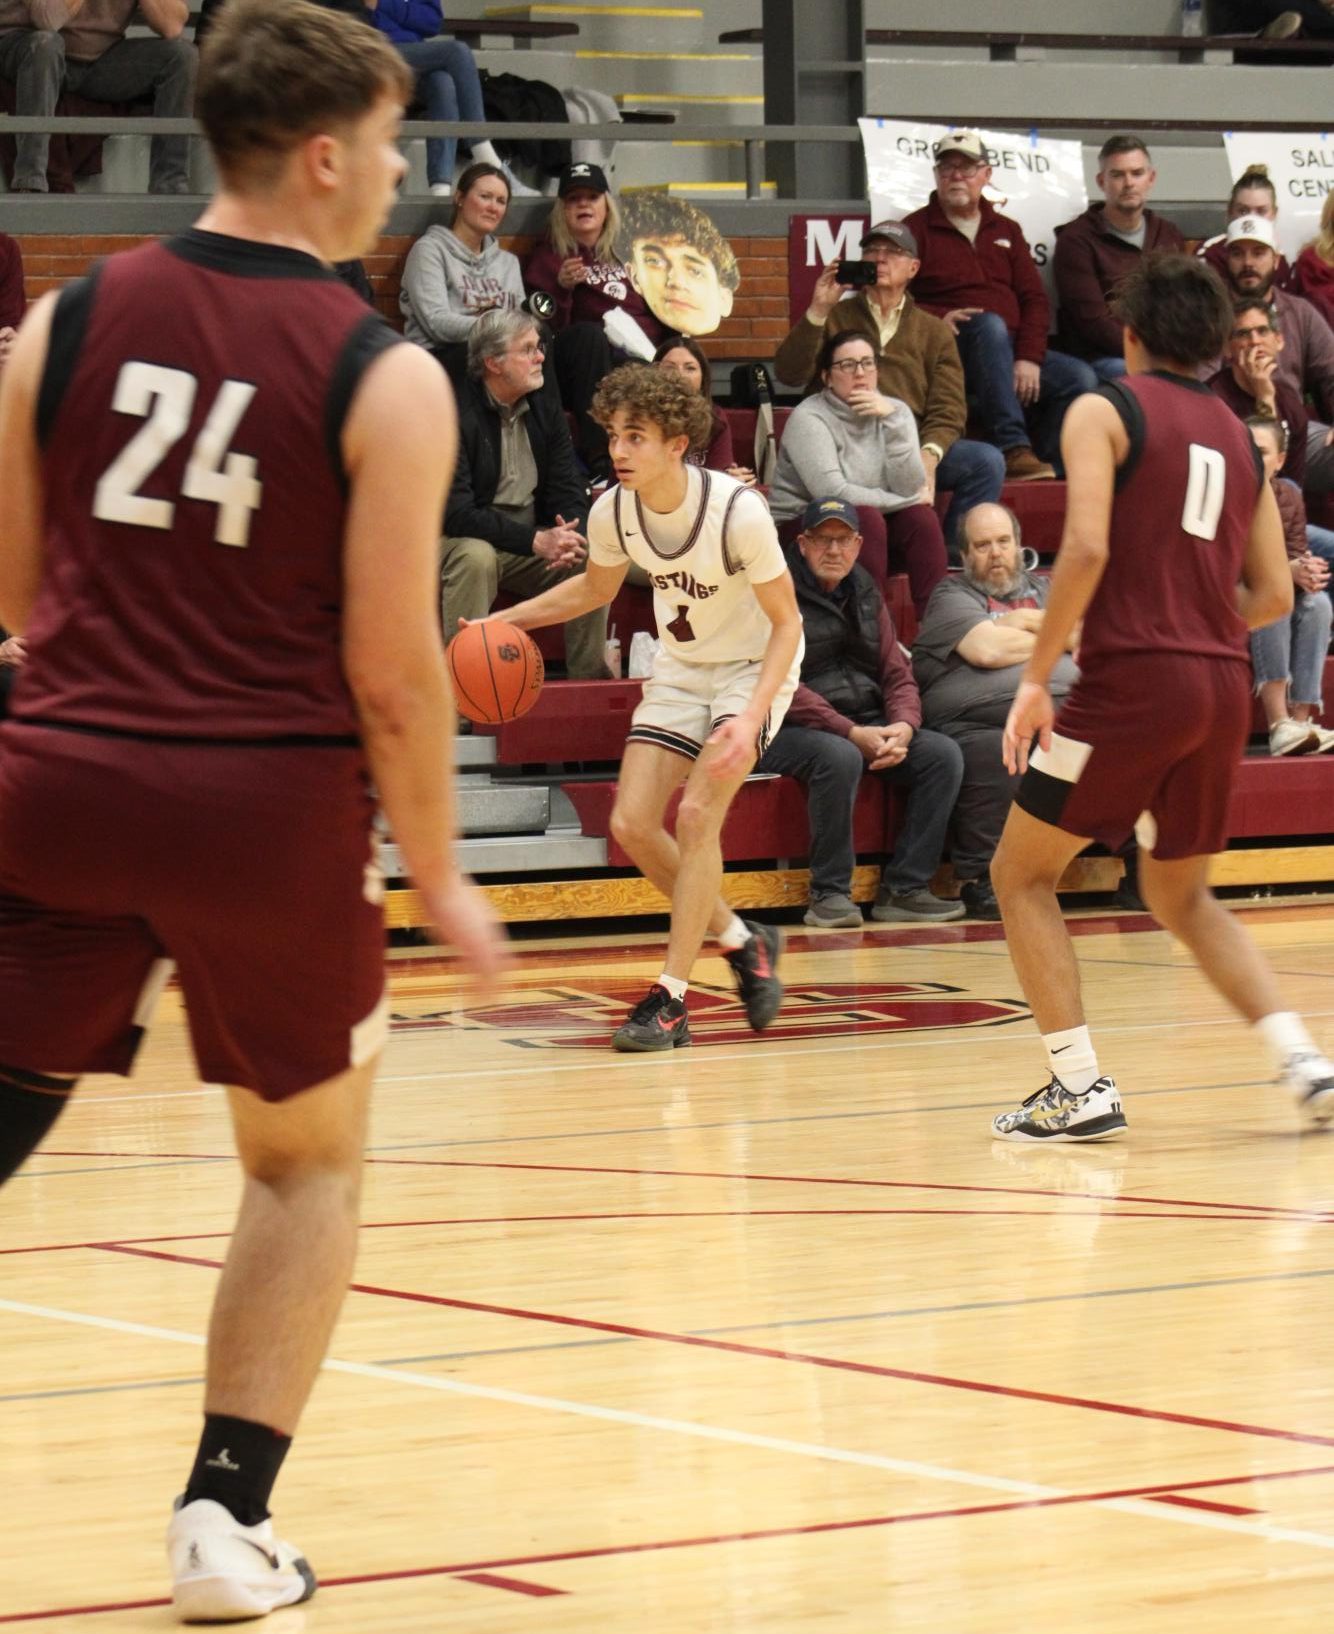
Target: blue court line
117	1168
759	1123
100	1389
880	1316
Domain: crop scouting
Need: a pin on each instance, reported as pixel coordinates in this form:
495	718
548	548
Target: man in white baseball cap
1306	363
978	274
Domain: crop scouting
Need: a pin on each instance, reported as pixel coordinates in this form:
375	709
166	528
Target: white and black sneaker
1309	1078
223	1572
1057	1114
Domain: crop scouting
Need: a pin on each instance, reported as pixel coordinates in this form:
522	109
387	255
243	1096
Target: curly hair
659	215
650	394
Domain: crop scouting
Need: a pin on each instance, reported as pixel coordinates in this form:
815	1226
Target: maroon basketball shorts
1156	736
249	868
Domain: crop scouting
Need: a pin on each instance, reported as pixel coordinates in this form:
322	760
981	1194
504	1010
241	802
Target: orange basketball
496	670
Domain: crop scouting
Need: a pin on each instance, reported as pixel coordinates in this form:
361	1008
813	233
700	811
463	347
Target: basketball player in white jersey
721	684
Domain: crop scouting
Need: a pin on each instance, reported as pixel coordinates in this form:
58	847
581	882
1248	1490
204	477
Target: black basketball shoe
657	1022
755	966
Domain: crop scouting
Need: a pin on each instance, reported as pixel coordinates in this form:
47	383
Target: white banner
1037	181
1301	167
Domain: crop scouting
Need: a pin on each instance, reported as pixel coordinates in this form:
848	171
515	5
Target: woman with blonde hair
1313	274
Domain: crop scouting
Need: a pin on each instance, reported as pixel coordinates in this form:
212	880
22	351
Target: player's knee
697	821
30	1103
628	826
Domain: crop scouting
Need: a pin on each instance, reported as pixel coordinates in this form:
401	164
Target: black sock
236	1465
30	1103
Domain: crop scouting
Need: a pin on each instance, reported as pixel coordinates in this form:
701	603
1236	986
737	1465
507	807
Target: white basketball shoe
223	1572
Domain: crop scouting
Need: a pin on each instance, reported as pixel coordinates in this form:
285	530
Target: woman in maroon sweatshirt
1313	274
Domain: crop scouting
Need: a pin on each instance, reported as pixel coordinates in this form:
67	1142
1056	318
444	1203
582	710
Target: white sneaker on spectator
1283	27
521	190
1324	739
1290	737
442	190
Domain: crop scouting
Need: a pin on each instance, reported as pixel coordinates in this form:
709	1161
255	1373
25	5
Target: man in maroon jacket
979	275
1095	251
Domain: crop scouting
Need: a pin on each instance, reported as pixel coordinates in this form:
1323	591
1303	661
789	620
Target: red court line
492	1580
1202	1503
810	1529
1104	1213
805	1358
1263	1210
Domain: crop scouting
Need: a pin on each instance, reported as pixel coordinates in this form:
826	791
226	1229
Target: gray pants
985	796
1319	460
1293	649
34	60
472	572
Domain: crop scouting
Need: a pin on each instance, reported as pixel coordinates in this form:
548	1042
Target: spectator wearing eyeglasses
853	443
517	512
1250	383
856	711
978	273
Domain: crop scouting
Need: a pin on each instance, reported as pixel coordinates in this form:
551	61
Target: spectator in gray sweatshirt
455	273
851	442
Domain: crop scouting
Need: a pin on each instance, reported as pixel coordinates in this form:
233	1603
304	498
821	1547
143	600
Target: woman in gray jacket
851	442
455	273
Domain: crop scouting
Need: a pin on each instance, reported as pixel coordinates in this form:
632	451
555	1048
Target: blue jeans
988	371
1294	648
972	474
1108	368
831	767
1320	542
449	88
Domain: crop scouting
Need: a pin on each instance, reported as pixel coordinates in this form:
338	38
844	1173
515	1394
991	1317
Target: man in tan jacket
917	362
80	45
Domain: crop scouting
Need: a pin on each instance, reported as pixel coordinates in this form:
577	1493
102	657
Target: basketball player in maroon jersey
221	483
1172	550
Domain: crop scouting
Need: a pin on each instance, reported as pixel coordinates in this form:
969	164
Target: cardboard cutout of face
679	262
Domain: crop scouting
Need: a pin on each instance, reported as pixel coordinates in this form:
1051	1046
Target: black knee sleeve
30	1103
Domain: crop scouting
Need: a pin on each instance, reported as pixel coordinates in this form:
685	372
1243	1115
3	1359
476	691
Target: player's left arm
1093	444
1265	592
165	17
736	738
22	513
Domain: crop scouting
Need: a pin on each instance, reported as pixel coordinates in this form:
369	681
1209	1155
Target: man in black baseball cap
856	710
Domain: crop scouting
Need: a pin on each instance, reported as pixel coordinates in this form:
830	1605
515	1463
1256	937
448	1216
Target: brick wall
757	324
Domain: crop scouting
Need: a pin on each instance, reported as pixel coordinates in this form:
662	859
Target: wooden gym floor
767	1335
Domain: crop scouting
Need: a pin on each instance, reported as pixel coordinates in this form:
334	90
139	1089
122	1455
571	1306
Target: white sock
1071	1058
1285	1033
484	154
676	988
737	934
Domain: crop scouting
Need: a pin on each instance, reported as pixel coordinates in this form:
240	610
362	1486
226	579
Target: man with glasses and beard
979	629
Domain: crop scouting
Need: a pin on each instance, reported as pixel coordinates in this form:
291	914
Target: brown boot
1023	465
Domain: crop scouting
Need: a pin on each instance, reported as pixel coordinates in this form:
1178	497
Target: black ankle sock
236	1465
30	1103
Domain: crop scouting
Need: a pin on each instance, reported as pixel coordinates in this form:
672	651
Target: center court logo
571	1016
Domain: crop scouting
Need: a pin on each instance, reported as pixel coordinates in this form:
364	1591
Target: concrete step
914	89
716	108
558	849
486	807
613	27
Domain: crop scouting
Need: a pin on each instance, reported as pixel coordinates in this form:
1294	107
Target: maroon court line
1202	1503
663	1214
1263	1210
492	1580
805	1358
809	1529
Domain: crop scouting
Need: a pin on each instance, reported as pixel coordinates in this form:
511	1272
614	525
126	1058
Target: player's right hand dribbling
1031	714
